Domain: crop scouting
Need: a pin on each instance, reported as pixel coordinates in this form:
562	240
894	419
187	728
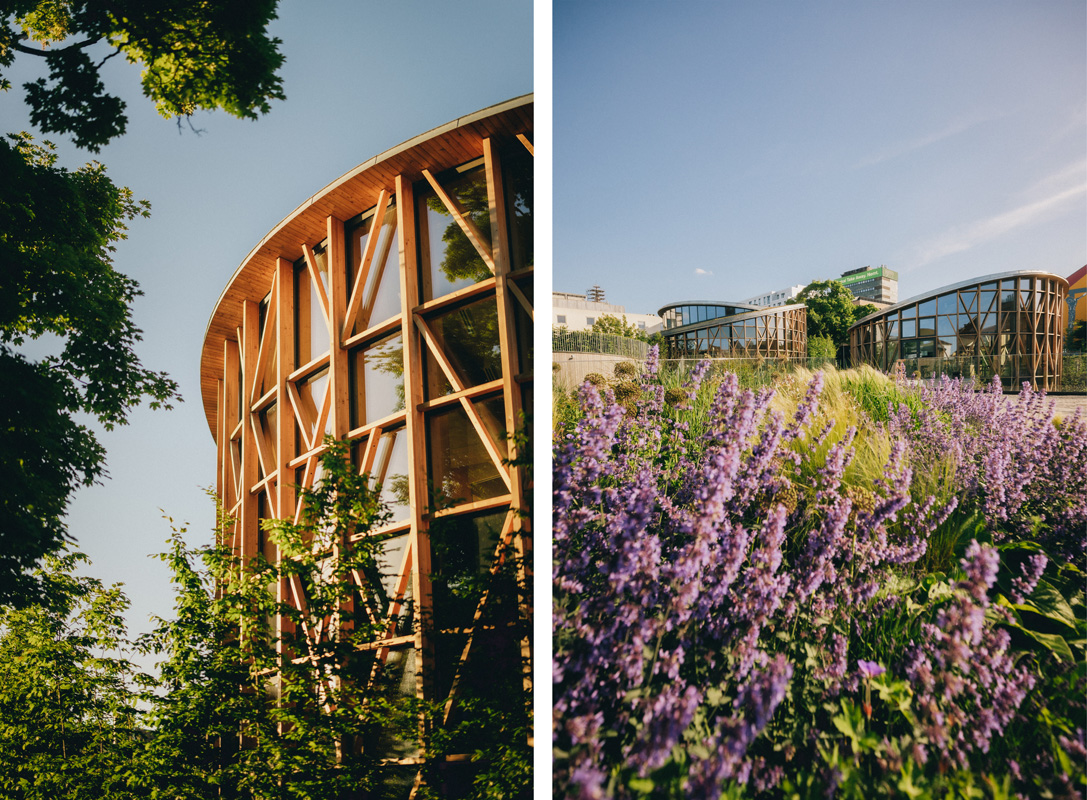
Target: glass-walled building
735	330
1011	325
393	309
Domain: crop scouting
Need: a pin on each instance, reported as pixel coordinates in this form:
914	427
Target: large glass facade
1009	325
721	330
398	318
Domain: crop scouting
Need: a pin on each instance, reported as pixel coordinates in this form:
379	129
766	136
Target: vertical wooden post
228	414
340	410
285	438
247	518
511	391
416	436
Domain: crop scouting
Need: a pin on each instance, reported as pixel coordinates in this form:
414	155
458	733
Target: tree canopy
831	310
59	228
195	55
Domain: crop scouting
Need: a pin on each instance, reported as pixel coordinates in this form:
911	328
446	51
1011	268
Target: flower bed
746	604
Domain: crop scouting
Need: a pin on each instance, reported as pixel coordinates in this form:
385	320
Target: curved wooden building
393	309
1009	324
697	329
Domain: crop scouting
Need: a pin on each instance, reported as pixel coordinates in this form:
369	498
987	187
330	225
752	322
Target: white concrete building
577	313
780	297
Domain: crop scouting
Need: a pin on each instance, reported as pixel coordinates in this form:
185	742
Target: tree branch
44	51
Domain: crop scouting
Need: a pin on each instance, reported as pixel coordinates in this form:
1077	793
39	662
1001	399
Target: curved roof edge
961	284
734	304
343	198
693	326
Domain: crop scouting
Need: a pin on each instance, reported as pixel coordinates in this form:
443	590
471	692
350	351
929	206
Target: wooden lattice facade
394	310
735	330
1011	325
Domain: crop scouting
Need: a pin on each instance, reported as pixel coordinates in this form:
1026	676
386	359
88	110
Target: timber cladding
454	143
393	310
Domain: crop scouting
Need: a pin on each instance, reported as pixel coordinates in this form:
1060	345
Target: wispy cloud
700	271
965	237
901	148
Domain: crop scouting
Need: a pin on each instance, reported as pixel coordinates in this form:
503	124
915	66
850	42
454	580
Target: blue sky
721	149
359	78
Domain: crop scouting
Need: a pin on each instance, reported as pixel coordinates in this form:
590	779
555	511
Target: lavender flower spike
869	669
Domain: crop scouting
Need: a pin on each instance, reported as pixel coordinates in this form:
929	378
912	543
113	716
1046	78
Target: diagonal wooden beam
318	284
364	268
504	541
463	220
439	356
488	442
380	261
267	342
515	290
525	141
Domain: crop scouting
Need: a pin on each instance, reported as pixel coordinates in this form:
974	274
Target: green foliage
58	229
69	723
821	348
194	55
59	282
830	310
609	323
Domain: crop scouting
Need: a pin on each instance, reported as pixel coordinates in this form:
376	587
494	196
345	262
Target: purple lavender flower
869	669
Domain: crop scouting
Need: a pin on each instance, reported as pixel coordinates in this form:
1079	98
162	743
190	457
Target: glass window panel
381	292
927	307
447	258
947	304
1007	299
947	346
461	469
462	551
377	380
267	419
909	349
524	325
311	330
311	392
927	348
967	325
947	326
517	172
987	301
988	324
909	328
389	472
968	301
967	345
926	326
892	328
989	287
468	337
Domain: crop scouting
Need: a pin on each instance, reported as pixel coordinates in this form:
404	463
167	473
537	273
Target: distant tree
830	310
860	312
58	229
617	327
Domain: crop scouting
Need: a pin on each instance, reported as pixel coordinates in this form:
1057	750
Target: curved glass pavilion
694	329
393	309
1010	324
